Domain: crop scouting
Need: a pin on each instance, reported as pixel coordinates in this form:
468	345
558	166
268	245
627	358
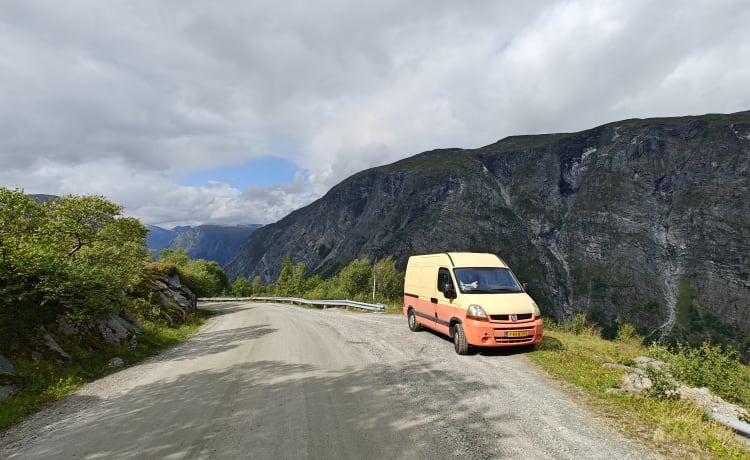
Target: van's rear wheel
414	326
459	340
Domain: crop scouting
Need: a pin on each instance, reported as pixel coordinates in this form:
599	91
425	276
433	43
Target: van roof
475	259
459	259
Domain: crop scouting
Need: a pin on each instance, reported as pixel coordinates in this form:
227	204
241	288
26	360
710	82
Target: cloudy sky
190	112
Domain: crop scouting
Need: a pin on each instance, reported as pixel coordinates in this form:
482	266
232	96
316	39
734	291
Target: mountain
640	221
159	238
42	198
211	242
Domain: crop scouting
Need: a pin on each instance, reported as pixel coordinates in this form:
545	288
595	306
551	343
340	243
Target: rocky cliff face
640	221
213	242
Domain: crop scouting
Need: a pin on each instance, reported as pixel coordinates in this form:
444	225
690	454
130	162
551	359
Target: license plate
515	333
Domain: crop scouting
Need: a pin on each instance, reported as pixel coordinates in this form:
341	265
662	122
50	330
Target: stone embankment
176	302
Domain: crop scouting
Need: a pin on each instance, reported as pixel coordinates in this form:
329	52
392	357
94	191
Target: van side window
444	277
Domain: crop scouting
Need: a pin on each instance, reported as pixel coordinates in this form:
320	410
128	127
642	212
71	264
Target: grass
674	428
44	382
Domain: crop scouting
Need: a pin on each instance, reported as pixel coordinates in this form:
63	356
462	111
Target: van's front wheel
414	326
459	340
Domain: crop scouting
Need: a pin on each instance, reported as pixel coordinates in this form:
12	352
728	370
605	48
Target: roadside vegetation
361	281
78	257
574	352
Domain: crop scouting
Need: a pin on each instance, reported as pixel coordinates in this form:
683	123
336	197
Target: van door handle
433	300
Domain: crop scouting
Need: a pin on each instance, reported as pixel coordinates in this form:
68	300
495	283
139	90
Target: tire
414	326
459	340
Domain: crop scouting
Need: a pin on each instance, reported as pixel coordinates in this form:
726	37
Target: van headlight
477	312
537	311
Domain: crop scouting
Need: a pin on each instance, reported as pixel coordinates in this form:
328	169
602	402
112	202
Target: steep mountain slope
219	243
644	221
159	238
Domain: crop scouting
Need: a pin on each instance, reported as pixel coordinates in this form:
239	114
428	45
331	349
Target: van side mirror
449	291
526	287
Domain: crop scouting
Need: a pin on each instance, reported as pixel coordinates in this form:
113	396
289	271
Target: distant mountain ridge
216	242
219	243
640	221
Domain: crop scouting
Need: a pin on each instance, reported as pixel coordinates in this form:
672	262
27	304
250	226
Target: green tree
388	281
314	288
205	278
257	285
242	287
73	255
23	251
355	280
298	279
177	257
284	283
98	255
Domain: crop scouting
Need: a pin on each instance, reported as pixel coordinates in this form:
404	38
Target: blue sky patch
264	171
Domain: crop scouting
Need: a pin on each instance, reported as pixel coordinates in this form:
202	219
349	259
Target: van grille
520	317
527	339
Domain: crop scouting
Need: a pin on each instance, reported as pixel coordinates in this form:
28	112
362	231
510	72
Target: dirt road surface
273	381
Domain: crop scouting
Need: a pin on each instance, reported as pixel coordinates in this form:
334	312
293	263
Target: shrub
628	333
715	367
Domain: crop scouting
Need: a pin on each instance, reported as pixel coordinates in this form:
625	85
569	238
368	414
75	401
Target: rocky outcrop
176	302
8	378
639	379
176	299
639	221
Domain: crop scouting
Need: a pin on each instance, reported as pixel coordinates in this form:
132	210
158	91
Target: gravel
279	381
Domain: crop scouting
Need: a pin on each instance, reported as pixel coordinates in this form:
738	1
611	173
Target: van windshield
488	280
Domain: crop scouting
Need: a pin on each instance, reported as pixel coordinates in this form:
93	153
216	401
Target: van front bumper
505	334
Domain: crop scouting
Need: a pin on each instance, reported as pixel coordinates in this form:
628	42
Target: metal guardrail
299	301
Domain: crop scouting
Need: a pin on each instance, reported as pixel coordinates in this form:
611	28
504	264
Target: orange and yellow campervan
474	298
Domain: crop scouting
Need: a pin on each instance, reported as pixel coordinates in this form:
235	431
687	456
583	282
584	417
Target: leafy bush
715	367
578	325
355	280
75	255
242	287
663	385
204	278
627	333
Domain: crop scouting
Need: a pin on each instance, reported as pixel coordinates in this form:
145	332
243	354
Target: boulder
54	347
66	326
118	331
703	398
8	378
115	363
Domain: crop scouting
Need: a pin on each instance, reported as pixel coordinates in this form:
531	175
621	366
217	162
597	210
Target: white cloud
123	99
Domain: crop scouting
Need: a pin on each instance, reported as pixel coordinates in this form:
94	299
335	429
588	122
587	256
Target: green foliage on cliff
74	255
205	278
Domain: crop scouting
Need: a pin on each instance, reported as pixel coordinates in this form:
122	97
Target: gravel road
283	382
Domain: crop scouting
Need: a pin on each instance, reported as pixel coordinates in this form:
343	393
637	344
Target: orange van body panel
478	333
